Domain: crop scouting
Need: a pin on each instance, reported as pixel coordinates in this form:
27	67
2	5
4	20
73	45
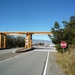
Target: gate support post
4	41
0	40
28	41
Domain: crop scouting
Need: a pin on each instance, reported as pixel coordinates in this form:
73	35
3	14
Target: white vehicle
52	45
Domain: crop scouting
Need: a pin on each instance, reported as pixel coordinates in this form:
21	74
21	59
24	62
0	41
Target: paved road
38	48
50	49
8	50
8	53
29	63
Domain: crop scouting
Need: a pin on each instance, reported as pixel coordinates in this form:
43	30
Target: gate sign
63	44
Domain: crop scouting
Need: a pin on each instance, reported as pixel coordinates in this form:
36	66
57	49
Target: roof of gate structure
26	33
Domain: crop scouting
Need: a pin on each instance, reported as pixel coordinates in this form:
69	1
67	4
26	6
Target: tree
41	44
63	34
56	25
57	33
15	41
20	41
70	30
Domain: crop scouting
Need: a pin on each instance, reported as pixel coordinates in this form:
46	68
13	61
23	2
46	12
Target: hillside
41	41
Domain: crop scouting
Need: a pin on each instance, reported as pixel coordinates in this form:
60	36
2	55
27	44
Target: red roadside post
63	45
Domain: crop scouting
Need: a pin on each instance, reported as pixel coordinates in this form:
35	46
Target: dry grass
67	61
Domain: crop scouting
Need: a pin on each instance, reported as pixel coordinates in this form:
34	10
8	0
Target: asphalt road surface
38	48
29	63
8	50
50	49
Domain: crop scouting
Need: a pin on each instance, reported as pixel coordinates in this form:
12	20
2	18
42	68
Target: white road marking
10	58
45	69
6	59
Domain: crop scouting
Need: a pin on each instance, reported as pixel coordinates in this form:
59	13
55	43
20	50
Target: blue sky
34	15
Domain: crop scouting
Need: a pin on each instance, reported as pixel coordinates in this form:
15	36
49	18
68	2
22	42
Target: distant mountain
41	41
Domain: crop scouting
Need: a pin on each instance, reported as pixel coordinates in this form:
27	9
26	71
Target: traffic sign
63	44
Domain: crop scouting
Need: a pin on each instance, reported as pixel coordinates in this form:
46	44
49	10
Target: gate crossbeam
28	39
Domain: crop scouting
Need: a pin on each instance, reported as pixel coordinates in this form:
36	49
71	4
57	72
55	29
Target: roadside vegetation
67	61
67	34
13	41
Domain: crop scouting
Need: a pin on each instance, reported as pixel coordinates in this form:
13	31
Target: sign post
63	50
63	45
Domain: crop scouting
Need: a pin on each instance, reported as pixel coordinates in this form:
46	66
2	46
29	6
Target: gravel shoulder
53	67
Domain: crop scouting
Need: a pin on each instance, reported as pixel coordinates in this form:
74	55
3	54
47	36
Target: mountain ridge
41	41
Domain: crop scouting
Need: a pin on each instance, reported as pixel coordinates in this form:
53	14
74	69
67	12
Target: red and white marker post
63	45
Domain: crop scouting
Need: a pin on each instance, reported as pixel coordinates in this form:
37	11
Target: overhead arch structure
28	38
